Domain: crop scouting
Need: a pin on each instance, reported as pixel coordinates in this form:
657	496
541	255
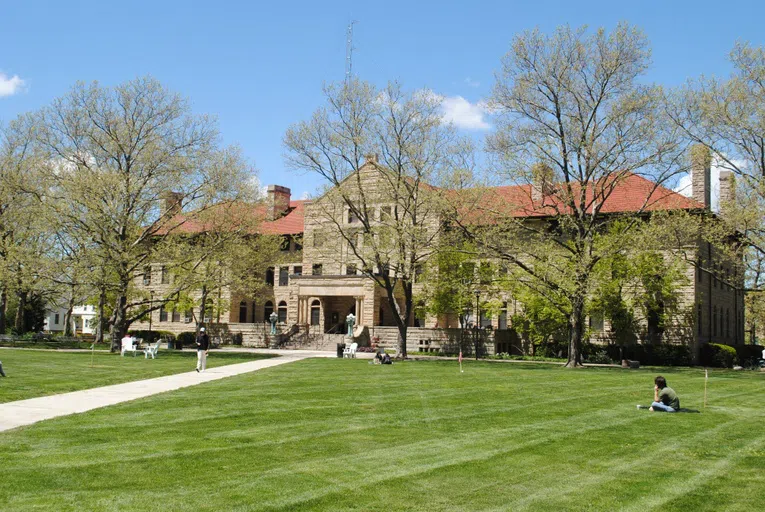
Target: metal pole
151	305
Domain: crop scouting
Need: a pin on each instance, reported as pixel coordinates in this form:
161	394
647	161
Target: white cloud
10	85
472	83
463	114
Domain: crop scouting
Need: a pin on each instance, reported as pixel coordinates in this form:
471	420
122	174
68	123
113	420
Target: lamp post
151	305
476	322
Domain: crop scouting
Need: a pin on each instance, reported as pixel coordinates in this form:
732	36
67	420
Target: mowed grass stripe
350	436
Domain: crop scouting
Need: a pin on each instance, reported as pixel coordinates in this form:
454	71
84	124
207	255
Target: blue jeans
660	407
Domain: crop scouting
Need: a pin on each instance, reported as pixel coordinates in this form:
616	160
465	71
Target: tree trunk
68	327
119	326
100	325
202	308
3	309
19	324
576	332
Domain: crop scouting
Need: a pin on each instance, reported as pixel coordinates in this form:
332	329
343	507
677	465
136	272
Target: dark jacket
203	341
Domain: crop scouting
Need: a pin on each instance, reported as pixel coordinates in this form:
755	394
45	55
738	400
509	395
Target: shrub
749	355
152	336
720	356
664	354
599	357
186	338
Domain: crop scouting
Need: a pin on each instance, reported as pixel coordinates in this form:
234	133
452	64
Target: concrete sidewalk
27	412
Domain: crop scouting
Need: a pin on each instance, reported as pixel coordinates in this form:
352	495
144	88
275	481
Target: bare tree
382	154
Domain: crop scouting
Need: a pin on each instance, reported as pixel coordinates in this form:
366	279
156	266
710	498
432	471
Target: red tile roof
632	193
289	224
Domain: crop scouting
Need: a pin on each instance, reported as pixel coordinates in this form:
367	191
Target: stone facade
320	284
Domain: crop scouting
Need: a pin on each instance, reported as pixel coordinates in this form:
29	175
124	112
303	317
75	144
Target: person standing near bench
664	397
203	345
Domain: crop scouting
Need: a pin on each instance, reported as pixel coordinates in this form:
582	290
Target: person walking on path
664	397
203	345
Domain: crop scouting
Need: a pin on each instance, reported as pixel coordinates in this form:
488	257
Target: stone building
318	283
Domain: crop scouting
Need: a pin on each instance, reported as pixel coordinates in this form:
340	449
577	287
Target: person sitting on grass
664	397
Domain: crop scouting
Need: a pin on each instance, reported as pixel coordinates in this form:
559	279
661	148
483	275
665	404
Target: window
352	218
298	242
385	213
56	318
318	239
484	273
485	319
698	318
502	321
315	312
147	276
316	269
242	312
162	314
282	312
350	269
268	308
189	316
176	316
270	276
596	322
284	276
297	270
165	276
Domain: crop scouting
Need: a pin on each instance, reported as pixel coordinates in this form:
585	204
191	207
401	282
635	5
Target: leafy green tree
575	120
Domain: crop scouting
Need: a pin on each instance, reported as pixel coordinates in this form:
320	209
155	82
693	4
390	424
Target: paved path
27	412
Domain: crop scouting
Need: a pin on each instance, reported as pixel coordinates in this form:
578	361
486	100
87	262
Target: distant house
83	319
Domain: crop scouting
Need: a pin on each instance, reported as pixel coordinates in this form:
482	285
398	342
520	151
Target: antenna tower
349	53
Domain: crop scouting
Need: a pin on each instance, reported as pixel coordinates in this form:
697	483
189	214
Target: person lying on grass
664	397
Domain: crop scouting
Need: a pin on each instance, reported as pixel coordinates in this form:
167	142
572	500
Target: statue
272	318
349	321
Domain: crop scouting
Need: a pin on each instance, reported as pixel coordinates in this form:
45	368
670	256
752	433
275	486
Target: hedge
718	356
152	336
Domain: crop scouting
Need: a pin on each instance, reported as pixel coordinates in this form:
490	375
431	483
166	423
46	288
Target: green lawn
34	373
345	435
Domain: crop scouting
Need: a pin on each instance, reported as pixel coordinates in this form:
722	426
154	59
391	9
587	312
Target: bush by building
719	356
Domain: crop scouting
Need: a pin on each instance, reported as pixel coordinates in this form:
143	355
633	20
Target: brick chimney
542	185
278	201
701	169
172	203
370	158
727	190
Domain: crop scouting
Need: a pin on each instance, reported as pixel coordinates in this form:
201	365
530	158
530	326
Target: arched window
315	312
242	312
268	308
282	312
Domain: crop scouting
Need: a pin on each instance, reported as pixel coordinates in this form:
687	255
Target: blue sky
260	66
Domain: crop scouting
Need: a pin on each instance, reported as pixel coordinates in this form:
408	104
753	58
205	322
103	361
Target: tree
417	152
25	239
113	155
727	116
576	123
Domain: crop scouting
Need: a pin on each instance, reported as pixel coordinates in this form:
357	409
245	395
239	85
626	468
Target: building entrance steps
26	412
